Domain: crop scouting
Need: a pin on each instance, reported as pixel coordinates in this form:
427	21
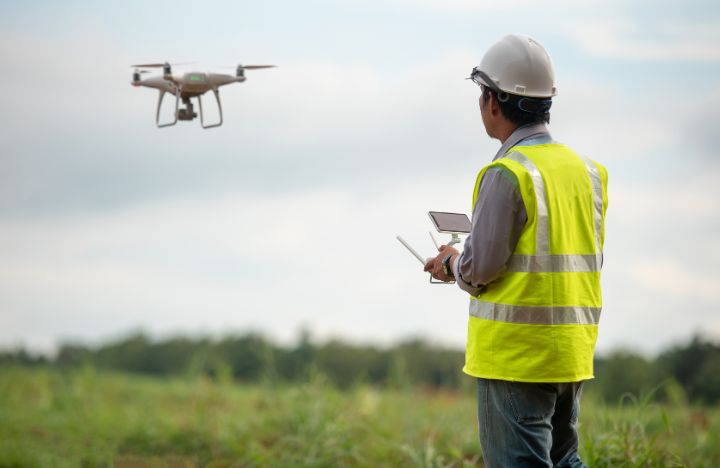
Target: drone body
186	86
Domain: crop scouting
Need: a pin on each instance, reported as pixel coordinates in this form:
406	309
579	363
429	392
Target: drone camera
187	113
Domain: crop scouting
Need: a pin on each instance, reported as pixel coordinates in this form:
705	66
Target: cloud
494	6
668	41
661	251
61	81
667	276
324	259
692	200
287	215
632	132
304	124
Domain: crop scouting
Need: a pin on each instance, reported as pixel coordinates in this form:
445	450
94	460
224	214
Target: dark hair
520	110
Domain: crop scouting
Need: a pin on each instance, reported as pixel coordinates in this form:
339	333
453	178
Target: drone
186	86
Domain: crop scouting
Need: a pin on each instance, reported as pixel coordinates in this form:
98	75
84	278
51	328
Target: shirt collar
524	132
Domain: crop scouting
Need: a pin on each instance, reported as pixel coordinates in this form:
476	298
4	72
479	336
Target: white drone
186	86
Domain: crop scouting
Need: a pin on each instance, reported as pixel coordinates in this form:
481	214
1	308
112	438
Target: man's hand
435	267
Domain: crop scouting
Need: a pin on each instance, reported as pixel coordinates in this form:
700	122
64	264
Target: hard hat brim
480	78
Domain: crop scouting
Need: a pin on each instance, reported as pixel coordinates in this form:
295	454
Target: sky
285	218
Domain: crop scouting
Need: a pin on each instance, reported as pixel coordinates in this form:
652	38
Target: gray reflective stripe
554	263
535	315
596	183
542	244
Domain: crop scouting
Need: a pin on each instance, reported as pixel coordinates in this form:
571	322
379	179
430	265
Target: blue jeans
529	424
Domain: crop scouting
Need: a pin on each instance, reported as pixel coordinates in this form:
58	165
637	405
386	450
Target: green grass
638	433
82	418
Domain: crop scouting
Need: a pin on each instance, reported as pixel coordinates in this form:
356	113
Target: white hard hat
517	65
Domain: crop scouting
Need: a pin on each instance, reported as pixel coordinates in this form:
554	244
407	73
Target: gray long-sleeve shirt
498	218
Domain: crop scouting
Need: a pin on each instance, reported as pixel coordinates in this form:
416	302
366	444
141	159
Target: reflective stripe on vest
597	198
541	242
535	315
554	263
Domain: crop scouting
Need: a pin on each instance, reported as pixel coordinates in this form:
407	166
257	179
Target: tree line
687	372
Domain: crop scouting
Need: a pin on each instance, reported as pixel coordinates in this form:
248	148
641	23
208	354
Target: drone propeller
247	67
255	67
159	65
240	70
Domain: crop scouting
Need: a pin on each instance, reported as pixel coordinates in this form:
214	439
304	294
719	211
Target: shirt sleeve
498	218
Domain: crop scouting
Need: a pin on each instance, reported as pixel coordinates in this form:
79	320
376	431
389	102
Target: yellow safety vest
538	321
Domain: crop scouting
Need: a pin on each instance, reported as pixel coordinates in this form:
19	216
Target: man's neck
505	131
519	134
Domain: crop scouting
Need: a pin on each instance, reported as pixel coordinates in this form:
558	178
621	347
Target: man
531	265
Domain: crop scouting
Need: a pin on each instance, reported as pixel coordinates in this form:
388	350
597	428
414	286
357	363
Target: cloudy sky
286	216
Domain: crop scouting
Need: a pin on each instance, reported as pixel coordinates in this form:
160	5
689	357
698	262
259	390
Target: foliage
252	358
685	372
688	372
696	366
623	372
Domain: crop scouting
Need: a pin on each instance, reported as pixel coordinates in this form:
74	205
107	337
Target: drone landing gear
157	114
188	112
202	119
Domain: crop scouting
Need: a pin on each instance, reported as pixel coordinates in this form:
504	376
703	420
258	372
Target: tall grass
83	418
636	432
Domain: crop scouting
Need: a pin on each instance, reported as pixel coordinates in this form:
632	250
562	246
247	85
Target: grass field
86	418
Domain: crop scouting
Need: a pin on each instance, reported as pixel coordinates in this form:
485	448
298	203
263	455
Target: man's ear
494	104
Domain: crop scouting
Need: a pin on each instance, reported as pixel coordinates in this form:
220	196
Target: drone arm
157	114
202	119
